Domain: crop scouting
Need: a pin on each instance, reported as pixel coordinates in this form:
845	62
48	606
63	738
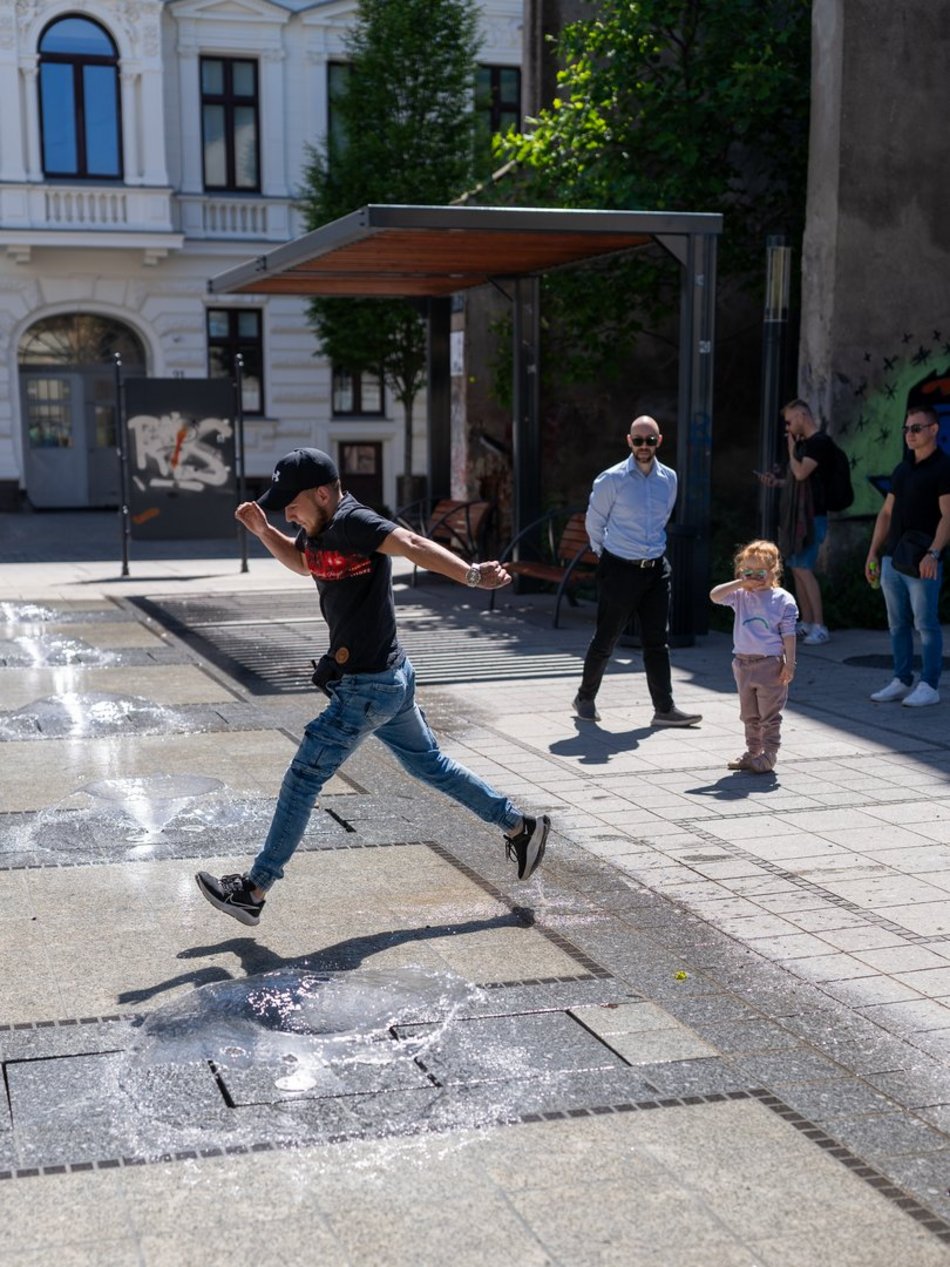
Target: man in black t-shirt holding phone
347	548
809	461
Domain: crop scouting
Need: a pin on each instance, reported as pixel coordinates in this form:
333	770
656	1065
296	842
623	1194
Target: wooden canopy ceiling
431	251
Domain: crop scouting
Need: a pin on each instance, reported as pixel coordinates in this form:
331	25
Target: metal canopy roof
435	251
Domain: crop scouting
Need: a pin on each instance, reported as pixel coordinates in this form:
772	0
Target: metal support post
122	453
238	382
439	402
778	267
694	432
526	402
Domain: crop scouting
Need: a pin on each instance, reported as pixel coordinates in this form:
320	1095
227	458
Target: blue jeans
807	558
912	603
363	704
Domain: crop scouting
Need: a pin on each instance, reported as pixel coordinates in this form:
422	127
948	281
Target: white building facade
145	146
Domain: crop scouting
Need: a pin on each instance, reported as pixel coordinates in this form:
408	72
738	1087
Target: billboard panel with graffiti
870	430
181	452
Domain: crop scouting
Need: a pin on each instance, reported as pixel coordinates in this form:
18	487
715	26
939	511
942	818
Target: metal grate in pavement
266	640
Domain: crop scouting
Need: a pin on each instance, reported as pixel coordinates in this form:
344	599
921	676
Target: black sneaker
676	717
231	894
528	846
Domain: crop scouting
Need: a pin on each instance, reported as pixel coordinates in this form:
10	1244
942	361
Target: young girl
763	649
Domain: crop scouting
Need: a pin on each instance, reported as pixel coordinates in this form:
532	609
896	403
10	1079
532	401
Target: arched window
76	339
79	101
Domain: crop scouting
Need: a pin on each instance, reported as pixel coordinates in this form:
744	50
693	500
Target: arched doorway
67	394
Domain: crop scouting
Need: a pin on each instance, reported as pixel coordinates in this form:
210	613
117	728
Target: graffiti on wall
181	457
917	372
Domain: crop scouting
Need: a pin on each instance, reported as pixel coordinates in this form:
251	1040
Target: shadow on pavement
594	746
736	787
343	956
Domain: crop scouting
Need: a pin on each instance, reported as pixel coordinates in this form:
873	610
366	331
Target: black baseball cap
299	470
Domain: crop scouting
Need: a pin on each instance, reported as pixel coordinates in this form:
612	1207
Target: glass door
361	471
54	440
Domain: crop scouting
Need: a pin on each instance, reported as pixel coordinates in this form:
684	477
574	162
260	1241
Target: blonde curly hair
767	551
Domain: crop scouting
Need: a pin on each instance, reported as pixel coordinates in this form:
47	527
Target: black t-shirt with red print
355	587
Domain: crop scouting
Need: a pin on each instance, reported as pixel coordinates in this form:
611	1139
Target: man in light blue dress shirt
630	505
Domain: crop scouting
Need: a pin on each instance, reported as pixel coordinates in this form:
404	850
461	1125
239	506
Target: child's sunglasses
754	574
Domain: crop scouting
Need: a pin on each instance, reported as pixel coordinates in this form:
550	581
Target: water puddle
48	649
26	614
95	827
307	1030
72	714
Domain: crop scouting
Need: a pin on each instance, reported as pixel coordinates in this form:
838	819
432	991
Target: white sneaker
816	636
922	695
895	690
802	627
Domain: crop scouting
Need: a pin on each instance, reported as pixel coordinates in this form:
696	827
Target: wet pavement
713	1029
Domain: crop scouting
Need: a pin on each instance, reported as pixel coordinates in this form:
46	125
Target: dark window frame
228	100
499	106
78	61
338	74
235	343
357	410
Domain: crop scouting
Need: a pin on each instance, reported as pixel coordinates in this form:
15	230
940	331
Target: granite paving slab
160	684
252	761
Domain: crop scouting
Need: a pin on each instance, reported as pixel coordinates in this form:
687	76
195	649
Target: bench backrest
459	524
574	538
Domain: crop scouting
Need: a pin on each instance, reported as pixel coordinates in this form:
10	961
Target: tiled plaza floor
714	1029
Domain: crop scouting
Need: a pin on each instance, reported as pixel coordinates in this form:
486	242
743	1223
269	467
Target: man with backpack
818	481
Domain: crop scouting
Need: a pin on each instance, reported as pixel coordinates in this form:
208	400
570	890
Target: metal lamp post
778	271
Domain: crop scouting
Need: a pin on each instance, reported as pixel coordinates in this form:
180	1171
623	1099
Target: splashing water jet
305	1027
152	801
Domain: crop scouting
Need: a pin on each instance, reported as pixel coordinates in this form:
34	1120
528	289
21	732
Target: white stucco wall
141	250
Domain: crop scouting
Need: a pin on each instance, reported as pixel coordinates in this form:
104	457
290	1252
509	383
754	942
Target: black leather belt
634	563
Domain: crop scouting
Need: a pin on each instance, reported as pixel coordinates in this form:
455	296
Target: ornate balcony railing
245	217
29	211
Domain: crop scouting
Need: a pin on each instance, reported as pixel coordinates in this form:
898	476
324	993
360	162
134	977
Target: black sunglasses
641	440
916	427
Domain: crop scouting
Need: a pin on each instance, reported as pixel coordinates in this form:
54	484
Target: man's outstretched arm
435	558
278	543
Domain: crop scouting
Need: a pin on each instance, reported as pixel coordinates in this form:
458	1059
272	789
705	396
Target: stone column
192	181
152	107
128	83
30	69
272	115
11	122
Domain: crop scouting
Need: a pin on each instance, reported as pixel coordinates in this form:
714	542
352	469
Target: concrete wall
876	262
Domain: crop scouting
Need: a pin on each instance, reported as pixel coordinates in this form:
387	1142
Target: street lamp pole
778	267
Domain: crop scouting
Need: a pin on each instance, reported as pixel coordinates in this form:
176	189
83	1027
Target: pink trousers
761	700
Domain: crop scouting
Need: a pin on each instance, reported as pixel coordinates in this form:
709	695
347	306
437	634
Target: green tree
402	132
685	105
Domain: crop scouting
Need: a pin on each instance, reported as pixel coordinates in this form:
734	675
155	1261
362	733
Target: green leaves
401	132
688	105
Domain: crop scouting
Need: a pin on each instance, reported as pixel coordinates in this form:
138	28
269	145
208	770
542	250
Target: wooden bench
569	560
461	527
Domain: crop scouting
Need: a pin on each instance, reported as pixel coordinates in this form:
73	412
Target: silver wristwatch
473	576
